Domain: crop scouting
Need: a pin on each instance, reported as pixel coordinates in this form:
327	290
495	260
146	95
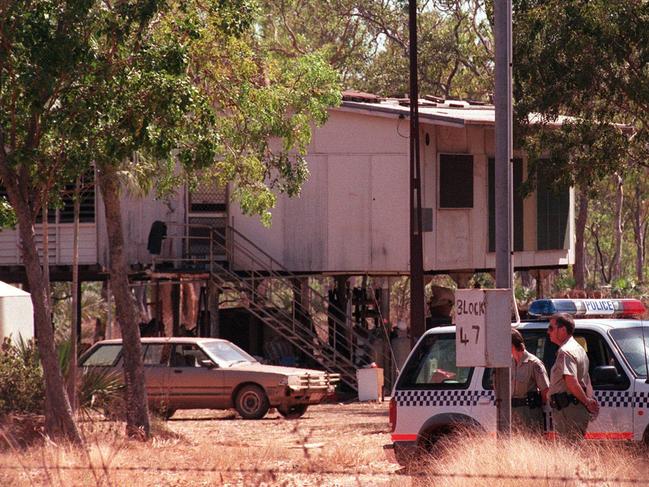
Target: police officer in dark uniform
529	386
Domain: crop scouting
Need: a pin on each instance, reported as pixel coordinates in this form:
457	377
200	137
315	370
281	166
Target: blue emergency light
621	308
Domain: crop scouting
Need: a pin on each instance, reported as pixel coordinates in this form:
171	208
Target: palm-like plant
95	387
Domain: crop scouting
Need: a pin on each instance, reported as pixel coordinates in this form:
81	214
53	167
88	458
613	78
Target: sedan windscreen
226	354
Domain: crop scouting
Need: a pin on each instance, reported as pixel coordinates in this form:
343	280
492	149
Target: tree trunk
137	415
72	379
616	268
58	414
579	270
639	233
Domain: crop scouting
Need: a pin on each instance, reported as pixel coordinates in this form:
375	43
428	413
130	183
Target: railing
249	266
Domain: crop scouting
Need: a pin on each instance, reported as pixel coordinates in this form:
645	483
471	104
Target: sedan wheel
293	412
251	402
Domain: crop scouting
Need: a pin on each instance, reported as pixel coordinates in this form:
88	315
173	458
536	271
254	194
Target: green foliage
587	60
21	378
7	214
563	281
366	41
93	306
22	383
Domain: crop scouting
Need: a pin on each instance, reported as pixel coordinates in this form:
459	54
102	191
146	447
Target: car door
156	373
192	384
615	397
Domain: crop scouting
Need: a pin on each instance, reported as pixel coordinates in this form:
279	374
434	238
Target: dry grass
214	448
483	461
332	445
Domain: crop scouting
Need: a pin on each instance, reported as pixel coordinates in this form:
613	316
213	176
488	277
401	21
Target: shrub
21	378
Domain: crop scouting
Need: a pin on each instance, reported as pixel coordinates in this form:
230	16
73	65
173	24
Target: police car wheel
440	438
251	402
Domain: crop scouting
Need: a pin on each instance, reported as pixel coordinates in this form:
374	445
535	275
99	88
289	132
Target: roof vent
436	99
360	96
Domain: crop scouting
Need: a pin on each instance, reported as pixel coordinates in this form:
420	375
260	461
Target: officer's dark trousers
526	420
571	422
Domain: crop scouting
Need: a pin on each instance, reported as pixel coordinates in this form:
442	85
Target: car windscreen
226	354
432	366
634	343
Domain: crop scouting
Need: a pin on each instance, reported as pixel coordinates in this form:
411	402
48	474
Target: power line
269	471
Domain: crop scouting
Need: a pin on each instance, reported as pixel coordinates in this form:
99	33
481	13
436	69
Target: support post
417	313
213	296
503	189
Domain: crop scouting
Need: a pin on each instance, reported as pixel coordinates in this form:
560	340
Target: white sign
483	327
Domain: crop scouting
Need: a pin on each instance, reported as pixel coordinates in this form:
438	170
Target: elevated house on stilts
194	253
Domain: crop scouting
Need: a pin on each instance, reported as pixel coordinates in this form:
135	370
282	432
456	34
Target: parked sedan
197	373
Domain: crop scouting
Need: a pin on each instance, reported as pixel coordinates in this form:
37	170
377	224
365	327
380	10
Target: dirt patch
332	444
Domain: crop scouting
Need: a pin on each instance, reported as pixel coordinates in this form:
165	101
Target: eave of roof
442	114
455	117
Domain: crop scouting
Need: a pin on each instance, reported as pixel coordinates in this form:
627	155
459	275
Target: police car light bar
624	308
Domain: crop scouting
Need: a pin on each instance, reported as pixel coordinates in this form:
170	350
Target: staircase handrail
338	335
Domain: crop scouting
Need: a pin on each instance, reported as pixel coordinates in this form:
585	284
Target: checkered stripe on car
641	400
614	399
441	398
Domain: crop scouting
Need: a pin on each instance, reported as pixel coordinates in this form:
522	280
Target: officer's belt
518	402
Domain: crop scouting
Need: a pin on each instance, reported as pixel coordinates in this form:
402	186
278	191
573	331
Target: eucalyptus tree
130	87
44	52
367	42
588	60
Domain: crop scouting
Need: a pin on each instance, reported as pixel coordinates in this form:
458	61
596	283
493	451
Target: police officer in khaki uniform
529	386
571	392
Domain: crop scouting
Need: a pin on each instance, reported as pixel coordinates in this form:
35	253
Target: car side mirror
209	364
606	374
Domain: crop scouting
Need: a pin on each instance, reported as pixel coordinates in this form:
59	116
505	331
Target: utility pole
417	317
503	188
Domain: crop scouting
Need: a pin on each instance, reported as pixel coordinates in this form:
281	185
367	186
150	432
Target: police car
432	397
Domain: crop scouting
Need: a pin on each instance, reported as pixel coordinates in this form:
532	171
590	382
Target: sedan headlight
291	381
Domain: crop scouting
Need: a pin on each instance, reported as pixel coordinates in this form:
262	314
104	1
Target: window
432	366
104	356
187	356
552	209
86	206
157	354
518	205
535	343
634	343
455	181
65	213
599	355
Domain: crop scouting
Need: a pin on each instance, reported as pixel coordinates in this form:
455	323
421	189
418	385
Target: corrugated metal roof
450	112
454	113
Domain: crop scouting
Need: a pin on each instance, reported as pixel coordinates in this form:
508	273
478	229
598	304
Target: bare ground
332	445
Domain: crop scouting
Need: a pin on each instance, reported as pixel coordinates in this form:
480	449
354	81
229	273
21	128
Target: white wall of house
352	215
138	213
60	239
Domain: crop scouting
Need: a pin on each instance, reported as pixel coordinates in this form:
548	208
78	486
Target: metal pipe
503	188
417	316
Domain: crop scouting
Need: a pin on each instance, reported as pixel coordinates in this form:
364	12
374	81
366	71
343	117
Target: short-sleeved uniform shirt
528	375
571	360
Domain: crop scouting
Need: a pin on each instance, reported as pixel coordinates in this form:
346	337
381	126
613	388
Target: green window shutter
456	181
552	209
